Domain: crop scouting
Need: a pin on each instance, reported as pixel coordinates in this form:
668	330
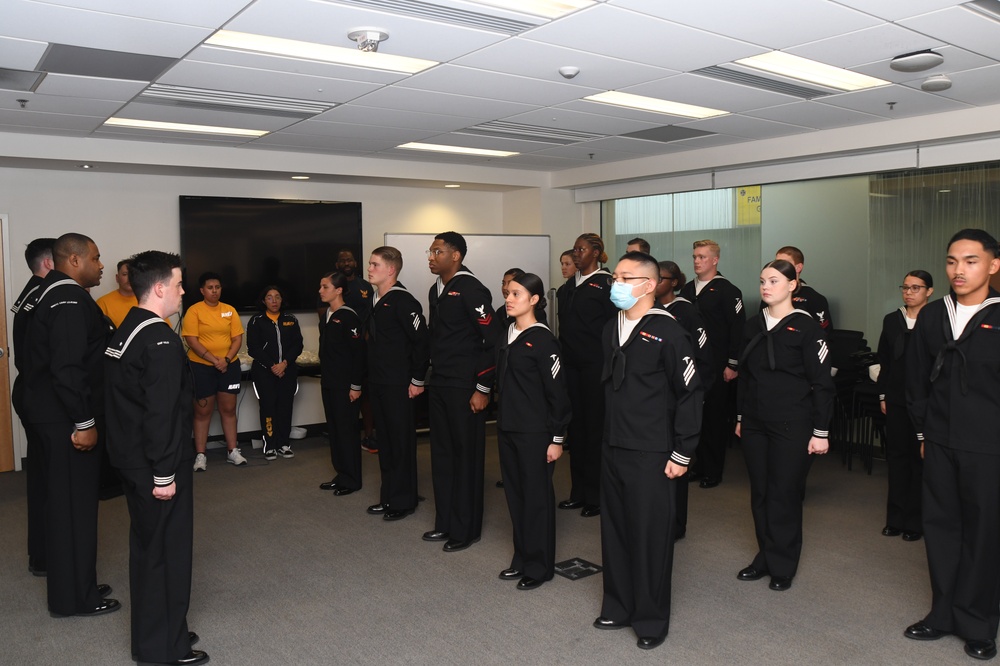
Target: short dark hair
37	251
68	245
793	252
263	295
391	256
203	278
980	236
675	270
643	259
455	240
922	275
120	264
512	271
149	268
641	242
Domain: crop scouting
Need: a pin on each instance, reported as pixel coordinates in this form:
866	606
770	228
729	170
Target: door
6	420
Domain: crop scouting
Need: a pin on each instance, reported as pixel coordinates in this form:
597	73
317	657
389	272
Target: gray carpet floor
288	574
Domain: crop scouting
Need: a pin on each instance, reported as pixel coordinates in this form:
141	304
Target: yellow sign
748	206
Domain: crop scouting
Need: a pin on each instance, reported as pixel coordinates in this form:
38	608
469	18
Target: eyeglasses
913	288
437	252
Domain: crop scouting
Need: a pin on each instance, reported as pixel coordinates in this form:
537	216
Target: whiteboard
488	257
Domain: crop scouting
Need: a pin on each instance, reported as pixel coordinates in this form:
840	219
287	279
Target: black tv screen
253	243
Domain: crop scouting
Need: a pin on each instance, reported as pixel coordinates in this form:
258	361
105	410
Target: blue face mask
621	295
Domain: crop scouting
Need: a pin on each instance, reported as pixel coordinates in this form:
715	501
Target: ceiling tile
882	42
392	135
491	85
893	10
169	137
325	143
20	53
960	27
186	12
382	117
908	102
612	31
66	85
713	93
60	105
813	114
745	126
955	60
28	118
405	99
326	70
564	119
173	114
979	87
773	24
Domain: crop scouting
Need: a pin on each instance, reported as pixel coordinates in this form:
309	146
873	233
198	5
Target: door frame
12	436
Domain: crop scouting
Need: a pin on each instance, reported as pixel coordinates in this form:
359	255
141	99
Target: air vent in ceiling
103	64
19	79
764	83
444	14
667	134
507	130
232	101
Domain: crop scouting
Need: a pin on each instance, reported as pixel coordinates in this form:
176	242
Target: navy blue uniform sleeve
556	394
884	359
736	317
822	310
816	363
743	379
480	311
67	361
679	360
918	372
411	319
160	380
355	339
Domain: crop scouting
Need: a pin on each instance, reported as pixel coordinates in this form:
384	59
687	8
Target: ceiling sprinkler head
368	38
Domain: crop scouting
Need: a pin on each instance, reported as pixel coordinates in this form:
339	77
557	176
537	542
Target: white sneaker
270	454
234	457
200	462
286	452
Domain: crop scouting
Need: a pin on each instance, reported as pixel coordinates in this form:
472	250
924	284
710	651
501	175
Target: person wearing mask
274	341
463	332
149	389
672	280
64	402
397	368
584	308
654	398
784	406
953	394
342	369
902	514
533	413
720	304
116	304
214	335
38	255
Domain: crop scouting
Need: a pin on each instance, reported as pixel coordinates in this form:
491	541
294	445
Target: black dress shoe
981	649
921	632
891	531
912	536
590	511
454	545
37	569
106	606
328	485
679	535
708	482
397	514
604	623
103	590
340	492
192	658
510	574
650	642
780	583
500	483
529	583
570	504
435	535
193	637
751	573
377	509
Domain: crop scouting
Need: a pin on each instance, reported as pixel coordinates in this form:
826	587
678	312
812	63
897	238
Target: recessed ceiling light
300	177
655	105
544	8
84	166
452	186
291	48
803	69
944	191
182	127
459	150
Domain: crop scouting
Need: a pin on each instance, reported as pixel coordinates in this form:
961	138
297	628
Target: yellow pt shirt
215	328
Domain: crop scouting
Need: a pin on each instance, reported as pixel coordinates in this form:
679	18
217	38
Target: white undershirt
963	313
699	285
512	333
770	321
910	322
581	278
625	327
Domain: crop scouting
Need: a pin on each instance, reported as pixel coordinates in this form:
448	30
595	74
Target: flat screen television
253	243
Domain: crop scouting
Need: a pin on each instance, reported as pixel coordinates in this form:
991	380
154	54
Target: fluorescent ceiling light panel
656	105
182	127
291	48
550	9
803	69
459	150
